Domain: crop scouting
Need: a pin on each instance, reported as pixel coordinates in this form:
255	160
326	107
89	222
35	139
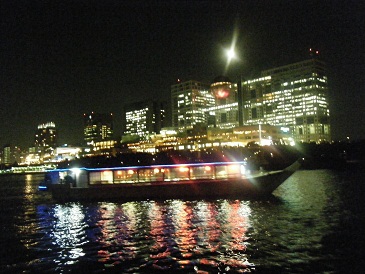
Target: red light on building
221	93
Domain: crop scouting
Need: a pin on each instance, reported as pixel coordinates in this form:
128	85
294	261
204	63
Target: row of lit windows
140	112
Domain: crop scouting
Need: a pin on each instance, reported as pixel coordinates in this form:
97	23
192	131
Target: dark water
312	224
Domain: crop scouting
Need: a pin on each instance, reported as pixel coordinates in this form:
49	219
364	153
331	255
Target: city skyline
61	60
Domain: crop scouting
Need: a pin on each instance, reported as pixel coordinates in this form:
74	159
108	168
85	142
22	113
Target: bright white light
67	233
231	54
291	141
76	171
183	169
243	170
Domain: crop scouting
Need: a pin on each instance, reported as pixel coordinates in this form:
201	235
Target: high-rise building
97	127
294	95
10	155
189	101
6	155
46	136
224	113
144	118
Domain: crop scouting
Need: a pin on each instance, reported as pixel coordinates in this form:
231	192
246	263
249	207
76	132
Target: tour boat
198	180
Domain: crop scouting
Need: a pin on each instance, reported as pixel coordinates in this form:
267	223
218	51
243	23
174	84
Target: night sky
60	59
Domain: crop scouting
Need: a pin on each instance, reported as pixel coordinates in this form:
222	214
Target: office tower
224	114
46	136
10	155
189	101
97	127
6	155
294	95
144	118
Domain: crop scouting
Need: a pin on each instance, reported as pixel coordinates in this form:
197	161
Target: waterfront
312	224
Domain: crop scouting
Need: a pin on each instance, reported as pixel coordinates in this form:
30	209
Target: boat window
101	177
125	176
201	172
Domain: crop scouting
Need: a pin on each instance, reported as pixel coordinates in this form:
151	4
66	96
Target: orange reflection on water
28	184
29	211
238	221
185	231
159	247
235	227
117	226
106	223
210	228
185	235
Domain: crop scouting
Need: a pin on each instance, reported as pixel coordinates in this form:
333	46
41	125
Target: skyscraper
46	136
144	118
97	127
189	101
225	110
294	95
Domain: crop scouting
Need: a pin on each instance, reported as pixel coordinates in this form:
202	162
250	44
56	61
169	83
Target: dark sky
60	59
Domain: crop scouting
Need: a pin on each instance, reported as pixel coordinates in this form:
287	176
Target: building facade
46	136
97	127
189	103
295	95
224	113
144	118
10	155
244	135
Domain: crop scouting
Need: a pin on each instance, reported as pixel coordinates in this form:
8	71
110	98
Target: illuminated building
65	152
98	127
189	101
244	135
294	95
224	114
46	136
6	155
144	118
11	154
105	145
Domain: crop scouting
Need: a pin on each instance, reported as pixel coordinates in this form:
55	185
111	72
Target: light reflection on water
149	236
305	227
68	233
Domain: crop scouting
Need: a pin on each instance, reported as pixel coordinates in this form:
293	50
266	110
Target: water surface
311	224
